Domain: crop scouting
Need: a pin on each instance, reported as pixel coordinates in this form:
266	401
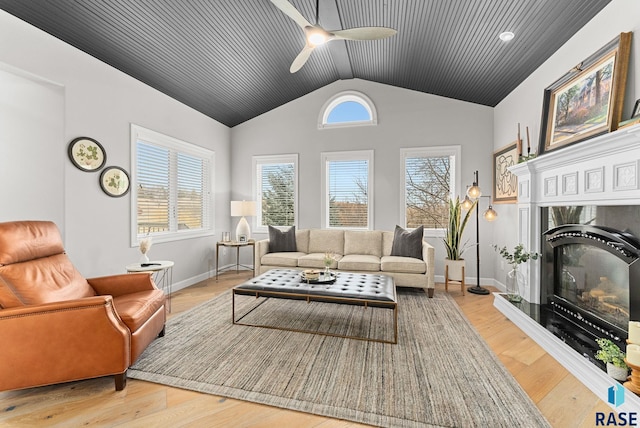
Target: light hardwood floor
563	400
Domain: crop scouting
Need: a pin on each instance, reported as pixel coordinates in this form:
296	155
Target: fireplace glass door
594	280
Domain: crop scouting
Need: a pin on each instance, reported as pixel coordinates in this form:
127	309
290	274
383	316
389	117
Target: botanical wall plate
114	181
87	154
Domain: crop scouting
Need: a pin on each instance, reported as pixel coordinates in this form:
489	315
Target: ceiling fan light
317	38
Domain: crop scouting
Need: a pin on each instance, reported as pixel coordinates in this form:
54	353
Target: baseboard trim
198	278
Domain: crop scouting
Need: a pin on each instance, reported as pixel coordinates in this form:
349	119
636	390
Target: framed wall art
588	100
114	181
87	154
636	110
505	184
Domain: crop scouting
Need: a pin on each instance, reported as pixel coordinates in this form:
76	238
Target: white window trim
153	137
435	151
257	190
342	97
347	156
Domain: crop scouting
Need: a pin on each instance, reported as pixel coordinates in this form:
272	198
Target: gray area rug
440	374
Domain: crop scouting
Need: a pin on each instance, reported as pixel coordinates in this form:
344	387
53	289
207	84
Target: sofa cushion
21	241
406	243
402	264
289	259
302	240
316	260
326	240
136	308
359	262
43	280
387	243
368	242
282	241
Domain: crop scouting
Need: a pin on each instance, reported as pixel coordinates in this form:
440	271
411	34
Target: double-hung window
276	189
347	190
429	179
172	187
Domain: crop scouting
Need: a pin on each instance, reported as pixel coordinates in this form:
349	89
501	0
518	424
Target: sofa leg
121	381
161	334
430	292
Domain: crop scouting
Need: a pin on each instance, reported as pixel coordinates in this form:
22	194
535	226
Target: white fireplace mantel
604	170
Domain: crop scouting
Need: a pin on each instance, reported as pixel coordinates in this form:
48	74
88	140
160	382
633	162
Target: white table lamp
242	209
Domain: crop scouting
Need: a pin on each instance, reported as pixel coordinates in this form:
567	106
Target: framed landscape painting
588	100
505	184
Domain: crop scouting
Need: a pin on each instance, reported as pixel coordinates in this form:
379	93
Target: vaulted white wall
524	104
405	119
99	102
27	149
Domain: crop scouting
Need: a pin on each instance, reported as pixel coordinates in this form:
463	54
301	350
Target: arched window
349	108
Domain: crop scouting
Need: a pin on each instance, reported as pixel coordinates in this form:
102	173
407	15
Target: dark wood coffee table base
349	288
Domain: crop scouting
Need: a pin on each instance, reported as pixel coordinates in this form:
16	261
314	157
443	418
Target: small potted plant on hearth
612	355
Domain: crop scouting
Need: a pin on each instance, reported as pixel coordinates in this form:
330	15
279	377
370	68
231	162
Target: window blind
348	183
173	190
276	191
192	201
153	193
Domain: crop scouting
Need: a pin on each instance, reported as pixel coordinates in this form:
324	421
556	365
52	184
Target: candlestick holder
633	384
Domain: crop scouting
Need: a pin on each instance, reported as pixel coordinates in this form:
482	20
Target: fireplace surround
602	171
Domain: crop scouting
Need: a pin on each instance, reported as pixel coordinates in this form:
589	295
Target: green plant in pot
454	263
611	354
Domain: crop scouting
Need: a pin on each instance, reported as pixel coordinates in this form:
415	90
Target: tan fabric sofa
355	251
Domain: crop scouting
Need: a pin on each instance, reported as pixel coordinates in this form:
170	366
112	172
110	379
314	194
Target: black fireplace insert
591	284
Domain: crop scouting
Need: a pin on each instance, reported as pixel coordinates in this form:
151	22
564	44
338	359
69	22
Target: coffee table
348	288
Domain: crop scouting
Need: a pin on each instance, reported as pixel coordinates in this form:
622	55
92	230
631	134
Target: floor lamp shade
242	209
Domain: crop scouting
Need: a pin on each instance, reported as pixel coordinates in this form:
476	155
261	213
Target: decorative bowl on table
311	274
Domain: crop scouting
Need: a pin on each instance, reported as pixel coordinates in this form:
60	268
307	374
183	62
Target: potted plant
612	355
454	263
515	280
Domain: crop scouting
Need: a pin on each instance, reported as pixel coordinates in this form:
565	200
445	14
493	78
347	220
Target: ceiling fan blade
289	10
302	58
364	33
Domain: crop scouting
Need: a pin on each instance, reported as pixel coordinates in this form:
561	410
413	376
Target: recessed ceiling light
506	36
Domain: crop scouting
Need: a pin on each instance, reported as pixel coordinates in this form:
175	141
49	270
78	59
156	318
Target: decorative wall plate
114	181
87	154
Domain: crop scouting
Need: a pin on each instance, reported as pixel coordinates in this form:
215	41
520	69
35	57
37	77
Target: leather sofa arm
62	341
126	283
428	255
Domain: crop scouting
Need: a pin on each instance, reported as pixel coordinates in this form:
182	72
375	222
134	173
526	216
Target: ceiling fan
316	35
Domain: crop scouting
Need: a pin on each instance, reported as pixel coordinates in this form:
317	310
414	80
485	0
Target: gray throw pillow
407	244
281	241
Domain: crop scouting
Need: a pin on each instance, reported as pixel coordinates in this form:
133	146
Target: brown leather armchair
55	325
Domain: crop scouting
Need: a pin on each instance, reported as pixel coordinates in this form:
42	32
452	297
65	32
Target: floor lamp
474	193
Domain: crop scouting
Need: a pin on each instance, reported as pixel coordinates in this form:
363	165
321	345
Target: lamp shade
243	208
490	214
466	203
474	191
